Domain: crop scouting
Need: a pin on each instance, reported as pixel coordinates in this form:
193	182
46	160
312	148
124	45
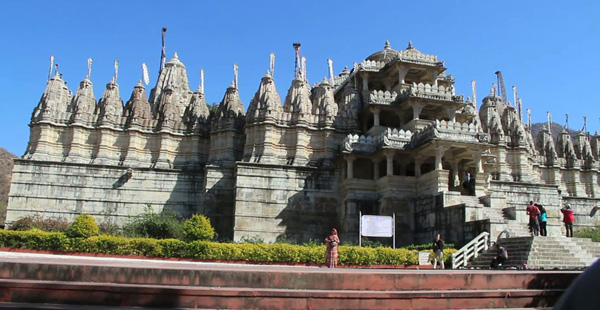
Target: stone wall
518	195
271	201
109	193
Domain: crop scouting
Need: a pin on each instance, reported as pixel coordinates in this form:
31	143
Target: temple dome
386	55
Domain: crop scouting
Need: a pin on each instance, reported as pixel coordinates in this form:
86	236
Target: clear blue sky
549	49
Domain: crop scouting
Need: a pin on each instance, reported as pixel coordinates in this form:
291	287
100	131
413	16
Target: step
111	294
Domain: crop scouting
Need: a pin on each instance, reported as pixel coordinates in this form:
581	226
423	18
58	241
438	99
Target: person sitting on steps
500	258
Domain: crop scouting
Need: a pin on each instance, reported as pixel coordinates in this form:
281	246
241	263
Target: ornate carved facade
388	136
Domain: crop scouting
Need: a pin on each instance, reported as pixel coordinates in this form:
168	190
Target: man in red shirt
568	219
533	212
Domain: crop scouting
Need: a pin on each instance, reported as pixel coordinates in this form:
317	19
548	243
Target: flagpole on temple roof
51	65
163	53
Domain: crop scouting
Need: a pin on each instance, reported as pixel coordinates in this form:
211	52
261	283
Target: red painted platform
59	279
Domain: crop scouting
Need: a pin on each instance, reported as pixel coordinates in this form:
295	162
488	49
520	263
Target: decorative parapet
371	65
395	138
450	131
432	92
338	80
382	97
446	78
414	56
390	138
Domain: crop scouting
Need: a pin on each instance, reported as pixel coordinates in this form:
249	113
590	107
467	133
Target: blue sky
548	49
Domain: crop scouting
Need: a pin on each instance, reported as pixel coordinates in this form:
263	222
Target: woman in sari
331	255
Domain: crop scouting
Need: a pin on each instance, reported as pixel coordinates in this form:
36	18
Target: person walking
500	258
331	253
542	218
534	224
568	219
438	251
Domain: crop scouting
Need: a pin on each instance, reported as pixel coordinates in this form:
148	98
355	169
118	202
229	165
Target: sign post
377	226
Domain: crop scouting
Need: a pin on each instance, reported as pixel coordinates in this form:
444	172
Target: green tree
198	227
84	226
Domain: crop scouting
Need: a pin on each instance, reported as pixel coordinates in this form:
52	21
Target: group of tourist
538	219
537	226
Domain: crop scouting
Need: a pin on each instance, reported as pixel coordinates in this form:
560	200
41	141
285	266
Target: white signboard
424	258
376	226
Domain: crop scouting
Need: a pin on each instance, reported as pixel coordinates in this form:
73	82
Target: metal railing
461	257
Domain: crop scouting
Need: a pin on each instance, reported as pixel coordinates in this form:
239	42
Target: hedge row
206	250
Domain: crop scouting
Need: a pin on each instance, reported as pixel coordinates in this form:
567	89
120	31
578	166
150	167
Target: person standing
501	256
534	224
542	218
331	253
568	219
438	251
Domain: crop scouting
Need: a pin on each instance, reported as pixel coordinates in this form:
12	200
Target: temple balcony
389	138
429	91
382	97
450	131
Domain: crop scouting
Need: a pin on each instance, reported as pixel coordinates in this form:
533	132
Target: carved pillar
455	173
417	167
402	71
376	111
439	153
365	87
350	166
375	169
478	166
434	76
417	107
451	113
389	155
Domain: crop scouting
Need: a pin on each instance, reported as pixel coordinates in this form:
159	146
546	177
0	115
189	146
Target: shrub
103	244
283	238
278	252
84	226
198	228
164	225
36	221
589	232
252	239
109	228
35	239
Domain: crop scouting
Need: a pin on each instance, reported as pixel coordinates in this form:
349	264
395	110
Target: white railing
461	257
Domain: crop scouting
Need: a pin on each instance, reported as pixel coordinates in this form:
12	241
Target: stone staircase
32	281
543	253
500	219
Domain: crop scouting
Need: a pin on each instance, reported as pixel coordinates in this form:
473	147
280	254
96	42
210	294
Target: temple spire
89	73
116	64
514	88
304	69
298	61
145	74
202	81
235	75
163	53
272	64
474	92
330	67
51	65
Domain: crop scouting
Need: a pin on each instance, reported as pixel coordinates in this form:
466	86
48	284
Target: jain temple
387	136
